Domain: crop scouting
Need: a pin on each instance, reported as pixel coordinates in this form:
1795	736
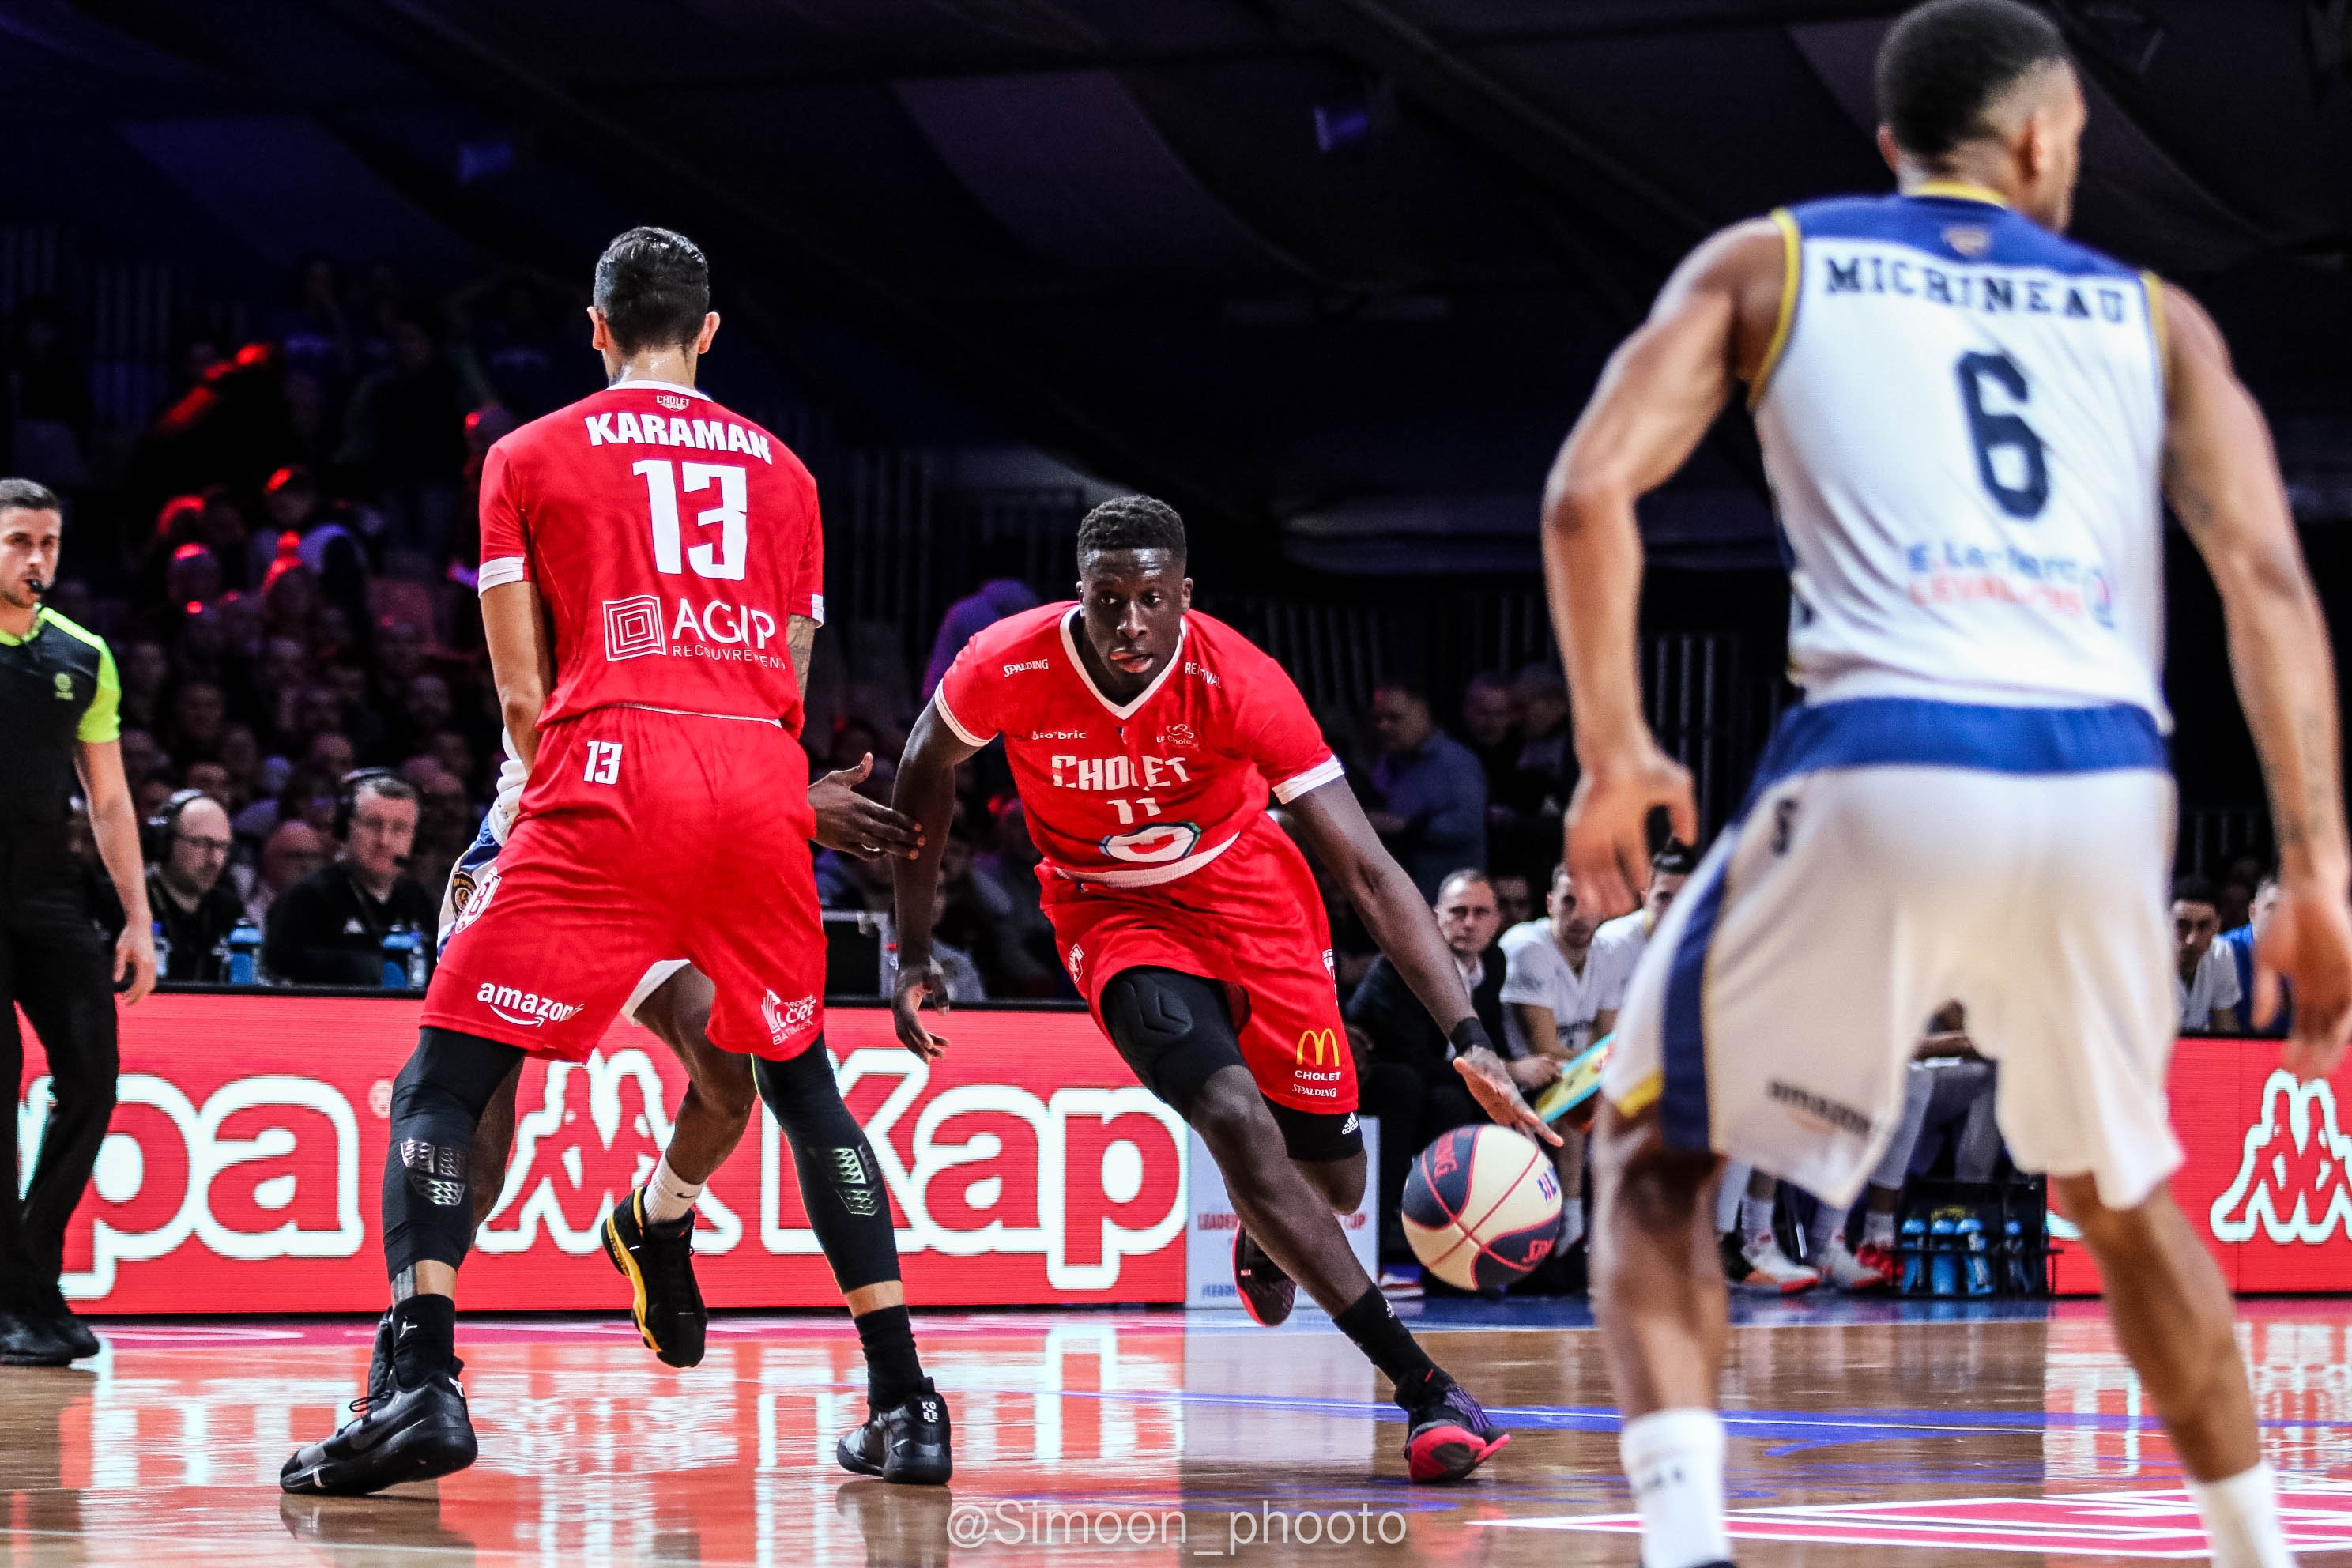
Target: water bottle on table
1970	1241
244	954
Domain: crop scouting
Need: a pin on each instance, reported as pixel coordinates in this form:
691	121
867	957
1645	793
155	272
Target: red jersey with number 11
1135	793
670	539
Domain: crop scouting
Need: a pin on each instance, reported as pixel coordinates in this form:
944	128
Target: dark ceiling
1348	265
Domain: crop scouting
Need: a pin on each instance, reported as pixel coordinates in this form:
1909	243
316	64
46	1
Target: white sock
1827	1227
1755	1221
668	1194
1675	1460
2242	1521
1571	1223
1878	1229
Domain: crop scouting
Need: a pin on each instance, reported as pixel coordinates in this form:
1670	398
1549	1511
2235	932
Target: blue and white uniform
1962	417
476	873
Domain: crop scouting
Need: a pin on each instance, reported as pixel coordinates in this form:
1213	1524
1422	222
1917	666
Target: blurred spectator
403	436
969	616
964	983
312	332
1432	813
1545	774
446	822
230	428
45	399
1021	959
293	852
329	550
1515	901
2240	944
144	670
1405	1064
210	779
199	718
142	759
2233	895
1490	722
329	928
1627	936
2205	977
195	907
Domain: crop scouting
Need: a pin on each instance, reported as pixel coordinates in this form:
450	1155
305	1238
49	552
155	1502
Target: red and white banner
2265	1181
245	1165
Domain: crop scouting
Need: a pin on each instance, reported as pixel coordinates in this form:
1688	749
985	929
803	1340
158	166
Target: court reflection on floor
1092	1438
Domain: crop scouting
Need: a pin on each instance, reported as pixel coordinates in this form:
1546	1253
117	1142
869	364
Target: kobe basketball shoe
909	1442
1266	1292
1447	1433
657	1260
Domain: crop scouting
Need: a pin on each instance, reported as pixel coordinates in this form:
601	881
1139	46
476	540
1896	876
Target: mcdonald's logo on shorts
1318	1041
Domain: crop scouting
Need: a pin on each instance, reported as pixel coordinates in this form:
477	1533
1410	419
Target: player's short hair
27	495
653	287
2195	889
1945	63
1131	522
1674	858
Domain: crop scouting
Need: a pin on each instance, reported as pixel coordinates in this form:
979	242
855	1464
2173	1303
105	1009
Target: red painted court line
2114	1524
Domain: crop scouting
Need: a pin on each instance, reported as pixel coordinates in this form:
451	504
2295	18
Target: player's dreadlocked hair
1131	522
653	287
1945	63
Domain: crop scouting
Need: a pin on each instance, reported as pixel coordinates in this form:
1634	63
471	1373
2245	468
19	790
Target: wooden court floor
1862	1435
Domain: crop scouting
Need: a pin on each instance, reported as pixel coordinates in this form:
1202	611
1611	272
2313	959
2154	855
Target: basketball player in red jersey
1145	740
651	586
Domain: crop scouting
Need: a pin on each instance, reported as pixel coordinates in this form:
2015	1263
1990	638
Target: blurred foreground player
1145	740
676	551
1966	421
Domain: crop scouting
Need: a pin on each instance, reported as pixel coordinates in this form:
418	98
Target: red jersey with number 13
670	541
1145	792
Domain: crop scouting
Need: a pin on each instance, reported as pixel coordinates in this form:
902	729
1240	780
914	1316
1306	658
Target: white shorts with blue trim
1897	855
473	870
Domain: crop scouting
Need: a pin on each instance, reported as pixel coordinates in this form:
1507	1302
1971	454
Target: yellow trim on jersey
1792	278
2154	286
1961	189
1643	1095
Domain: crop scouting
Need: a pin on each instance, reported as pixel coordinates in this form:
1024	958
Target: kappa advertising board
245	1166
2264	1182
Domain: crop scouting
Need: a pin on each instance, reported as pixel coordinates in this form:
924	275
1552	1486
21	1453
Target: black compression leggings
437	1101
841	1186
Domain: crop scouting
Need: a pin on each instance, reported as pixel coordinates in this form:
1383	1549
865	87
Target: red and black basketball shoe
1267	1292
1447	1435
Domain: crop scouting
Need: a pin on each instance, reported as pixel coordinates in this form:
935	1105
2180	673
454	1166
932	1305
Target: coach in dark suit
1405	1067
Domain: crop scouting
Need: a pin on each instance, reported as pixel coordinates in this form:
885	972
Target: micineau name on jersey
1142	793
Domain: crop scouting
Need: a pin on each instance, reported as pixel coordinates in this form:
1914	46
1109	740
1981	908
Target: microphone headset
155	835
347	803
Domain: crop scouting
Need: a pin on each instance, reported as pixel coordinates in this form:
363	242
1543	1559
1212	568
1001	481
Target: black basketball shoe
1267	1292
54	1316
379	1379
1447	1435
404	1435
26	1340
658	1262
909	1443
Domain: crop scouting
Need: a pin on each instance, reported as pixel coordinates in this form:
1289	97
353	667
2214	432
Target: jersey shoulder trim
73	629
1792	278
2159	332
1958	228
1316	777
947	716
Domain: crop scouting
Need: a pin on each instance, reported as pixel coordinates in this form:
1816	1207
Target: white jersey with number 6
1962	417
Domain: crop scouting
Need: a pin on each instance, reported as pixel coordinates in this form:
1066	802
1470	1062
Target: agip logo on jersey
646	626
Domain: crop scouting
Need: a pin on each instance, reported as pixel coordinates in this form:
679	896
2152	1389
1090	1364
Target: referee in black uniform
60	717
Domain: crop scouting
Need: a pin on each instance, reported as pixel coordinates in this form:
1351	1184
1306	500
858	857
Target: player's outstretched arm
521	663
1659	393
1334	827
924	793
2223	479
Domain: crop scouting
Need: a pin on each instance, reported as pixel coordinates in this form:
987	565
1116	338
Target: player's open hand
134	961
1489	1078
917	981
850	823
2307	944
1608	825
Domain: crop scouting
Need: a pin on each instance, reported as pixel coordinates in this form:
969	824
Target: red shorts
645	836
1253	919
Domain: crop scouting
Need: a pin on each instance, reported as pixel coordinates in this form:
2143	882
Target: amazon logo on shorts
1318	1041
525	1007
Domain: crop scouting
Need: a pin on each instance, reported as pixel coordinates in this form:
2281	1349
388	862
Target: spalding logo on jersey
1157	845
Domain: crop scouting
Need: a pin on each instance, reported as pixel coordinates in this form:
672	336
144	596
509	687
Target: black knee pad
1174	1030
841	1184
436	1102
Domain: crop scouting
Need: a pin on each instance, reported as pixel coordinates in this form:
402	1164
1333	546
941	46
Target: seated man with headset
329	929
186	845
